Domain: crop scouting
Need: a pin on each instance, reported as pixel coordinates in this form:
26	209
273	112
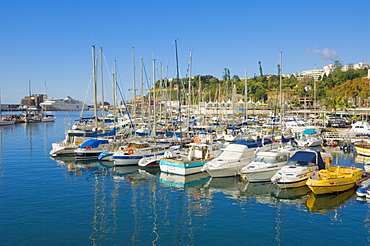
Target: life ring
214	135
196	140
130	151
88	148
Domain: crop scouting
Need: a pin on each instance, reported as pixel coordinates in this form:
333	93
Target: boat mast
142	88
134	83
189	96
178	89
246	94
95	86
154	128
102	86
281	90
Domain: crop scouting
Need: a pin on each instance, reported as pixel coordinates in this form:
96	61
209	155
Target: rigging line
106	65
124	102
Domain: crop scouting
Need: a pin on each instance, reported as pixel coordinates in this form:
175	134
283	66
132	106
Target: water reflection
152	205
325	203
179	181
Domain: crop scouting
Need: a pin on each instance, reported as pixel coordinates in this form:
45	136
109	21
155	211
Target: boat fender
130	151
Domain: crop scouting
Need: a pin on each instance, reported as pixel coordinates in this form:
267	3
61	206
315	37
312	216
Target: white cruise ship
66	104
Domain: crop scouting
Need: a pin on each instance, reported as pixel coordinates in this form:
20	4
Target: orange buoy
196	140
88	148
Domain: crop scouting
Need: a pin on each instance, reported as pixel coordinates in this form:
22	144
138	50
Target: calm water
45	201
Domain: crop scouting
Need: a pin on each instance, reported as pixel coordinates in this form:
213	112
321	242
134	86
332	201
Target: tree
260	66
226	74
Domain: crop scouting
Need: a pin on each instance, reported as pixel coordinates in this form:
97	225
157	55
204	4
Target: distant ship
66	104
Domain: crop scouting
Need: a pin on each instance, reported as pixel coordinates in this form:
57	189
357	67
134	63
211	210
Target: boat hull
292	184
335	179
363	149
181	167
261	176
320	190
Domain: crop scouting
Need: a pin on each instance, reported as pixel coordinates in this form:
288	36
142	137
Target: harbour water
46	201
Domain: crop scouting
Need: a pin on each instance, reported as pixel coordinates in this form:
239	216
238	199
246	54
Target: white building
314	73
361	65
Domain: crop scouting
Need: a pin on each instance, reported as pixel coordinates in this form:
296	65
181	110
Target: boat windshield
265	159
300	163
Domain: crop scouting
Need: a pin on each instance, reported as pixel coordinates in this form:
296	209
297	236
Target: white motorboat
48	118
136	150
309	138
302	165
90	149
235	156
153	161
6	121
266	163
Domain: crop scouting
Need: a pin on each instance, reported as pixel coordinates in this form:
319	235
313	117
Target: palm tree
336	102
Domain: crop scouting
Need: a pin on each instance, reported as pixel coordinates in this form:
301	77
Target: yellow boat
334	179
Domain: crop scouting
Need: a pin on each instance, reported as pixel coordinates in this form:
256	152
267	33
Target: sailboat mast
154	128
95	86
142	88
281	91
134	82
102	82
189	96
246	93
178	89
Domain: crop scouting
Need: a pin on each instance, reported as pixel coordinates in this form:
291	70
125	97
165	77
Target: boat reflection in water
298	193
181	181
230	186
324	203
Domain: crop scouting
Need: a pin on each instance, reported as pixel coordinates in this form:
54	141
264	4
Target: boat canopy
309	131
309	156
253	143
110	133
93	143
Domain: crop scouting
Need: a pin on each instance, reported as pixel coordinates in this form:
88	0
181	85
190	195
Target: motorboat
6	121
90	149
199	153
362	148
300	167
153	161
235	156
266	163
309	138
136	150
334	179
48	118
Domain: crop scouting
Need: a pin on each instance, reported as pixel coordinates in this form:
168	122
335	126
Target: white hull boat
300	167
266	164
234	157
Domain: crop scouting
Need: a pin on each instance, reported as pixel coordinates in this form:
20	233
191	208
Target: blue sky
49	42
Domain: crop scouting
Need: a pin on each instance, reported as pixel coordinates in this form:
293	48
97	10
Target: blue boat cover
254	143
286	140
309	131
110	133
309	156
93	143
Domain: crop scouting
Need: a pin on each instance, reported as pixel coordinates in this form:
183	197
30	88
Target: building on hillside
314	73
329	69
361	65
